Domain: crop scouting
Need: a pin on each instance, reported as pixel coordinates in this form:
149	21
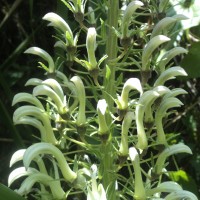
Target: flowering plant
107	115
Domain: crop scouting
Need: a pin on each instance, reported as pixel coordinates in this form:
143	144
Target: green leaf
186	181
8	194
191	61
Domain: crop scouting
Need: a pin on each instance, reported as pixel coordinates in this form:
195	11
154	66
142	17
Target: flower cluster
90	129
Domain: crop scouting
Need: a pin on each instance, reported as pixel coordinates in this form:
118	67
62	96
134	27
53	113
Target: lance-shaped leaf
26	97
44	179
55	86
80	92
20	172
150	47
169	55
165	23
38	114
61	104
144	100
130	84
46	148
139	191
166	104
170	74
43	54
58	22
168	186
168	151
126	124
181	194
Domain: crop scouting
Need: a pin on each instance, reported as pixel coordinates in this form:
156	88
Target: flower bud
91	46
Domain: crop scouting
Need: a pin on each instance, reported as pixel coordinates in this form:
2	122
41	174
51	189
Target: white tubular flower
161	90
37	113
168	56
168	186
126	124
58	22
91	47
43	54
181	194
26	97
139	191
35	123
175	92
80	92
126	19
20	172
44	179
46	148
130	84
144	100
55	86
18	156
166	104
33	82
170	74
101	111
60	103
166	23
150	48
97	192
168	151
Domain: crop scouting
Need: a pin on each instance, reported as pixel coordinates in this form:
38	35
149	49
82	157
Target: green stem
111	51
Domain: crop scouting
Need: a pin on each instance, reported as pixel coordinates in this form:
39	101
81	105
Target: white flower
192	12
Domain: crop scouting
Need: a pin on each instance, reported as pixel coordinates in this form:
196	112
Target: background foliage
21	27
